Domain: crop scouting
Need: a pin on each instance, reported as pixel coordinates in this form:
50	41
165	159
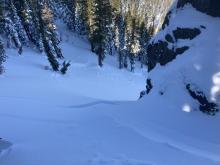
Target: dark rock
152	53
142	94
205	106
161	93
186	33
166	20
169	38
202	26
149	86
160	53
156	53
181	50
168	56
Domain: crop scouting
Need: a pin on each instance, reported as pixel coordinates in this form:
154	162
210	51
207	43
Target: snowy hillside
91	115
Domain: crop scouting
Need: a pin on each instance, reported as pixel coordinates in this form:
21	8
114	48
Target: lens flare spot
186	108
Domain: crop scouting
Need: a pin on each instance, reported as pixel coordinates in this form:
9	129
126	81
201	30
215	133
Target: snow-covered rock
187	50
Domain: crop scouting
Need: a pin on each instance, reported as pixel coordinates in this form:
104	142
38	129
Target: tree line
112	27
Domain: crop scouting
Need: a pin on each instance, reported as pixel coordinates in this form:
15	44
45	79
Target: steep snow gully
92	116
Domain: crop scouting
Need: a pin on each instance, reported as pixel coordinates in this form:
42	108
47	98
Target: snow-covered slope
76	120
4	147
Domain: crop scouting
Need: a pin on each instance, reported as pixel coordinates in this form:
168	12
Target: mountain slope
52	121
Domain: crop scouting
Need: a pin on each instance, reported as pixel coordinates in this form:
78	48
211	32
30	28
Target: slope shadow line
93	104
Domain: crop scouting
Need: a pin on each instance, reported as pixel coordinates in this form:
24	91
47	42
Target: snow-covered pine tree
132	45
69	13
126	51
28	13
110	29
101	23
2	57
18	25
1	17
11	34
111	37
54	7
45	27
121	28
144	38
51	29
110	44
9	29
82	17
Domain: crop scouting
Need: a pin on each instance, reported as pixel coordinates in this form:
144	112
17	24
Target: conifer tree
132	45
11	33
1	17
46	27
18	25
143	40
2	57
110	31
101	24
128	21
30	19
121	28
9	28
82	17
69	13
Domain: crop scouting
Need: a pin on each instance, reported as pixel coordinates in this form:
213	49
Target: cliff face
210	7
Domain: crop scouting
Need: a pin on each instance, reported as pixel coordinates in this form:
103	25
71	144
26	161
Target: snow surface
4	147
89	116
